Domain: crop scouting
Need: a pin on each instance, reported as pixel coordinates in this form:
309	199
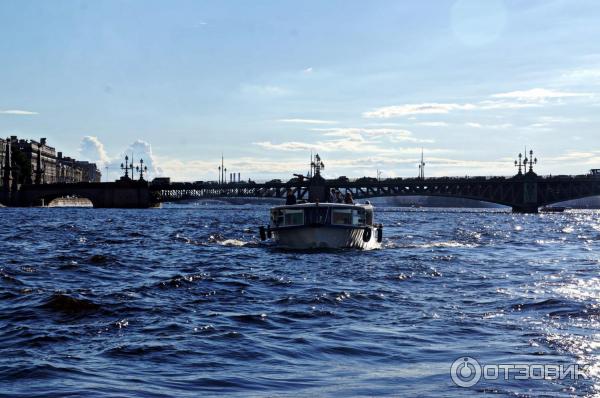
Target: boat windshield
287	217
348	217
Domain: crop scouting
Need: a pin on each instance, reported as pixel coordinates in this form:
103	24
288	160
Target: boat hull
324	237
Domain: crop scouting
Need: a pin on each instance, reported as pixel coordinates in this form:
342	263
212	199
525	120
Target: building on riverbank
39	163
41	159
2	152
89	171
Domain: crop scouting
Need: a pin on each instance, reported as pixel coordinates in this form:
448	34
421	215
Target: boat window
316	215
294	217
358	217
369	217
286	217
341	216
348	216
277	217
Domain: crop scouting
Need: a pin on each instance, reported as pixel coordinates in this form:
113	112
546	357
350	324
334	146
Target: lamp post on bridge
126	168
141	169
531	161
519	164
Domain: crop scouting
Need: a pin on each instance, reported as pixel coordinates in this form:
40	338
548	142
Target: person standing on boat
332	197
290	199
348	199
338	197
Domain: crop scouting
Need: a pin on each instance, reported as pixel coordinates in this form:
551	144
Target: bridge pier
120	194
525	209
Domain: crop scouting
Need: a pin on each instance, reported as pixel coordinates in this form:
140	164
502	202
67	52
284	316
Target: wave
70	305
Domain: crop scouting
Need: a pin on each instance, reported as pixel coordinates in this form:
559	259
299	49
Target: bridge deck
522	193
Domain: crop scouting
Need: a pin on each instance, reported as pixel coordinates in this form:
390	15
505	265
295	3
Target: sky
367	85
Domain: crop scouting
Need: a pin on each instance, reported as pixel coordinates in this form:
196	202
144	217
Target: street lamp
532	161
126	167
519	164
141	169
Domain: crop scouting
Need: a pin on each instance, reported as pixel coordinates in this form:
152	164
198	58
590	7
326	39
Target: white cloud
559	119
535	97
358	133
574	156
17	112
307	121
538	95
433	124
585	76
288	146
376	141
435	108
91	149
489	104
415	109
308	70
140	149
488	126
348	144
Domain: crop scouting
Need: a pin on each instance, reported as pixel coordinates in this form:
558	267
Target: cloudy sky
364	84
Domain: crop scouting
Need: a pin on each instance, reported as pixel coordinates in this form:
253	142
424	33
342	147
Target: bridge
525	192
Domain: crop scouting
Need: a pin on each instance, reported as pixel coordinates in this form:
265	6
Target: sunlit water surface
185	301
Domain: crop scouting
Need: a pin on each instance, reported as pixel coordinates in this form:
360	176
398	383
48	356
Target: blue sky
365	84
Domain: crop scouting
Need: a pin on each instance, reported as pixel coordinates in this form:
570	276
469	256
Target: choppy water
186	302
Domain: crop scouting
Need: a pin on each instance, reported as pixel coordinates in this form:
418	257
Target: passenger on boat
338	197
332	197
348	199
290	199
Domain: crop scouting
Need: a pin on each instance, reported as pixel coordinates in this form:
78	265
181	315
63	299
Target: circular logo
465	372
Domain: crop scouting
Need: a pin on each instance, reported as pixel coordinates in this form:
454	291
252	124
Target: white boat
323	226
318	224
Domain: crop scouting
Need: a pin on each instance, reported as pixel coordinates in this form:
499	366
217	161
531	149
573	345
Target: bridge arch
430	195
68	201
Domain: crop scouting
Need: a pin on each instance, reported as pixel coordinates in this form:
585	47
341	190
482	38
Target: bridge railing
353	181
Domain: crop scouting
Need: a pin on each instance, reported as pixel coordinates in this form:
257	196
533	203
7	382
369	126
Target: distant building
89	171
67	170
45	168
37	162
2	151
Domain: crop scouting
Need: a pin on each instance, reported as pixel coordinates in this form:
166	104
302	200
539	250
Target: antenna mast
422	167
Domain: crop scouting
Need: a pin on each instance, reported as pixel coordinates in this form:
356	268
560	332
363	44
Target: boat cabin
323	214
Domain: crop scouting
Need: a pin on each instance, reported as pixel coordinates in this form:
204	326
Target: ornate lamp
141	169
519	163
126	167
532	161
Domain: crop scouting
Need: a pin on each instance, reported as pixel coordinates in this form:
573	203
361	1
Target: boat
321	224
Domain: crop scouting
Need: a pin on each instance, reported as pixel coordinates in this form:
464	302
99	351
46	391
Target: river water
184	301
